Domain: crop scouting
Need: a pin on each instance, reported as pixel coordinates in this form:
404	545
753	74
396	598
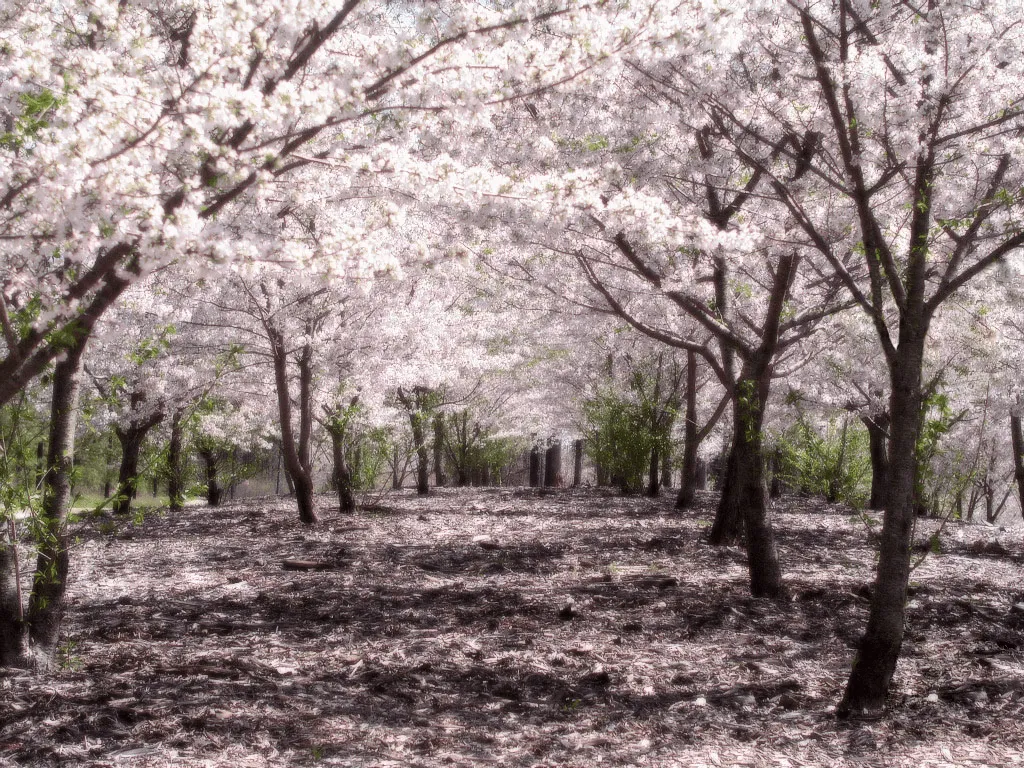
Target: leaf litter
514	628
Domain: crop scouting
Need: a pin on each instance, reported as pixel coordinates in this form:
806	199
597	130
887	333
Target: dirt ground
511	628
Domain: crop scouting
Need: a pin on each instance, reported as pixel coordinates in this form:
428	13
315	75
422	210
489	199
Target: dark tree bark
440	479
397	475
745	490
342	474
879	648
878	438
296	454
460	440
211	462
416	405
688	487
46	603
343	481
728	526
553	465
175	463
762	555
535	467
1017	439
422	458
577	464
131	438
666	468
40	462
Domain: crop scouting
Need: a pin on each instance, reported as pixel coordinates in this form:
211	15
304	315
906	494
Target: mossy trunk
46	603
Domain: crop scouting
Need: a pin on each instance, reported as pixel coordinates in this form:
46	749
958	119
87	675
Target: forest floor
510	628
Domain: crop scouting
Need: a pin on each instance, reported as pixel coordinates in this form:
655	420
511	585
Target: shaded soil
511	628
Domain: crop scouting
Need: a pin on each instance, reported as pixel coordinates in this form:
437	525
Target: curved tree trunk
879	648
46	603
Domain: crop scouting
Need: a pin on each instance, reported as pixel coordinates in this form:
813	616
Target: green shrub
620	437
833	462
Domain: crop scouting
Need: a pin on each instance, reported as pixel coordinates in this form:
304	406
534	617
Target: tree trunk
211	459
422	457
46	603
440	480
1017	439
878	437
128	474
396	479
879	648
131	438
295	455
535	467
342	474
175	464
701	482
728	525
750	493
577	464
688	487
108	457
654	474
553	465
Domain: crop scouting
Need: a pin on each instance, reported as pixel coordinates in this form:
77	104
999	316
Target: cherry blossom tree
905	120
133	129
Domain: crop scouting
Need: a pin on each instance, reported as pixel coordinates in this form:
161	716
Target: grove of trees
343	242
